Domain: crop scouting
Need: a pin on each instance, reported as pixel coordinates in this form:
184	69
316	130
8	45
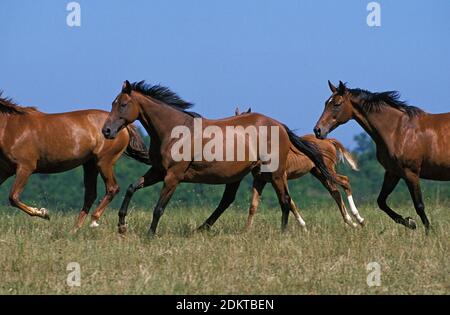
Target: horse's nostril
317	131
107	131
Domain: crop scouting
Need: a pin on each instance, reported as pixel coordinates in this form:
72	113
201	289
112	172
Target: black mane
165	95
374	102
9	107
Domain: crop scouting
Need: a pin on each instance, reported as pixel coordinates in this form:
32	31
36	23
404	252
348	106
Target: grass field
329	259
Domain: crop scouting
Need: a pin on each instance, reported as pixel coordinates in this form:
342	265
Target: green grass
329	259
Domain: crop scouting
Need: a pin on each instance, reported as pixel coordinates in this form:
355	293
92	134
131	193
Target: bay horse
34	142
411	144
161	111
298	165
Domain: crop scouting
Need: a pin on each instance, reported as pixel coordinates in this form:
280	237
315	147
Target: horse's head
124	111
338	110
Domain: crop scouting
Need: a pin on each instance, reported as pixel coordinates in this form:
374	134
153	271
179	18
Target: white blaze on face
354	209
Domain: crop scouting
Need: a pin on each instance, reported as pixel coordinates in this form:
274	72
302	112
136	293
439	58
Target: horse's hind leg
336	194
344	182
258	186
111	189
413	182
279	183
90	191
296	212
22	175
389	183
227	199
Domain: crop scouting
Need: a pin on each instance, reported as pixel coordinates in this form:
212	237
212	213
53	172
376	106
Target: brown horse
163	114
298	165
35	142
411	144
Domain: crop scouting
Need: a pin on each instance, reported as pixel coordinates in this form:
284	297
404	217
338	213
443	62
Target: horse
35	142
162	113
298	165
411	144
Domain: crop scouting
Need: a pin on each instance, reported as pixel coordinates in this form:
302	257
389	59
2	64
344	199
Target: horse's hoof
362	222
94	224
411	223
44	214
122	229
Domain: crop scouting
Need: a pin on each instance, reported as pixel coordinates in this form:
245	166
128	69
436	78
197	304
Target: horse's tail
344	154
136	147
311	151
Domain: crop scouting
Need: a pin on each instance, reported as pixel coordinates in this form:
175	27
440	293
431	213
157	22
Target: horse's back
247	119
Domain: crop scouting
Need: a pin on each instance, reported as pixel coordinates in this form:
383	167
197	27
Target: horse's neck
381	125
159	119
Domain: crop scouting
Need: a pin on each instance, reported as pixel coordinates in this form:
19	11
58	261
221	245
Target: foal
299	165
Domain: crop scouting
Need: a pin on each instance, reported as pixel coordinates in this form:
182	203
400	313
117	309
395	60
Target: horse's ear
342	88
126	87
249	110
237	112
332	87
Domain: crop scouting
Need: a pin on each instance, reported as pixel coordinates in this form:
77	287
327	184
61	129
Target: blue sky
275	56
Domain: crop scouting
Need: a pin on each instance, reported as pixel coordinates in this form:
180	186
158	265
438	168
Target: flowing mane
374	102
165	95
8	107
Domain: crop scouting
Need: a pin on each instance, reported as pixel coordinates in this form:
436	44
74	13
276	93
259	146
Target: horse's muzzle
107	132
320	133
111	129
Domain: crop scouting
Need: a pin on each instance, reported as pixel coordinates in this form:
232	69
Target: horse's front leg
258	186
171	182
22	174
111	190
152	177
90	193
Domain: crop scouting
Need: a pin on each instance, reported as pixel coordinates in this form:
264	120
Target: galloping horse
411	144
162	112
298	165
35	142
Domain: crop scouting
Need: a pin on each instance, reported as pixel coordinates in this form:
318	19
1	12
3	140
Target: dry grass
329	259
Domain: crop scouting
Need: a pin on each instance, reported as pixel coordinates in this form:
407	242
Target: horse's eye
123	105
337	104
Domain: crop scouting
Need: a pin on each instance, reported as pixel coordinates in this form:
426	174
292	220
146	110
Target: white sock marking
354	209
